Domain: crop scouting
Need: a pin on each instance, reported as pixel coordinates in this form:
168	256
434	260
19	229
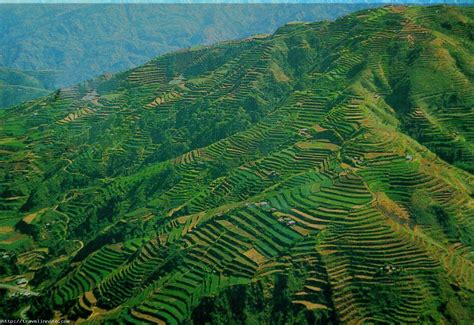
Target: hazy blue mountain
83	41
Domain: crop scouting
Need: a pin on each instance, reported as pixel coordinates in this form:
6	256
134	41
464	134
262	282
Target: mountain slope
82	41
321	174
17	86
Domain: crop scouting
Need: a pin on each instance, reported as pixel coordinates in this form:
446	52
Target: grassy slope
17	86
322	173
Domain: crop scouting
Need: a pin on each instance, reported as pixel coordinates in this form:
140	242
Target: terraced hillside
81	40
322	174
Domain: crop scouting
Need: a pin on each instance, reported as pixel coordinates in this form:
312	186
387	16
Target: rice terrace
322	174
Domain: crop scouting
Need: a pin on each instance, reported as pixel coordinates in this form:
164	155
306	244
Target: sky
244	1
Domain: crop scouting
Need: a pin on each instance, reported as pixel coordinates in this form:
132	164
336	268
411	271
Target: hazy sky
242	1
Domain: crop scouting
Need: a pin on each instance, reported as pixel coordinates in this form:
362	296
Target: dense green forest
318	175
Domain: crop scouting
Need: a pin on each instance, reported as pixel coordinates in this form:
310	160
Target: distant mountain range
79	42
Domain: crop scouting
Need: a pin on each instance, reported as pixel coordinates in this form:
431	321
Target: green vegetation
17	86
82	41
322	174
